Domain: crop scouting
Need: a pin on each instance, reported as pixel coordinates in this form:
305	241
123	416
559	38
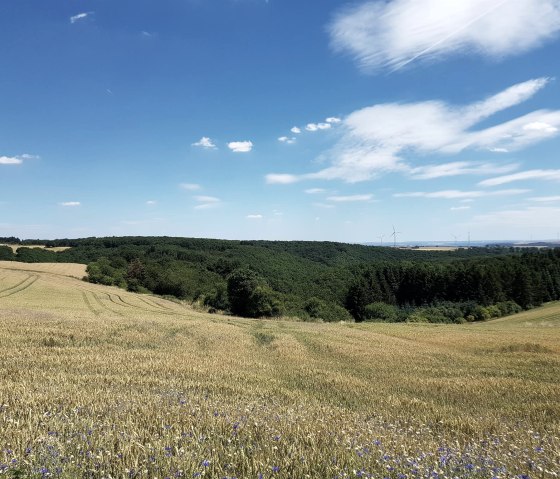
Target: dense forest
315	280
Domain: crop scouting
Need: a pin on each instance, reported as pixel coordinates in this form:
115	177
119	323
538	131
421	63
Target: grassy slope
114	382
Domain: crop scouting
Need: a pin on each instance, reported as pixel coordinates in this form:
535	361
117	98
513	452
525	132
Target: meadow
98	382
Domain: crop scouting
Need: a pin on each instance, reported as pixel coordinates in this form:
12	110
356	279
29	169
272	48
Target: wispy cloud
551	175
151	202
287	139
314	191
240	146
460	208
350	198
296	130
254	217
459	168
281	179
379	139
545	199
190	186
394	34
207	199
456	194
205	143
527	218
206	202
70	204
80	16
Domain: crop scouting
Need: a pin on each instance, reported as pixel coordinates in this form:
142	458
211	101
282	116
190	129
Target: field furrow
18	288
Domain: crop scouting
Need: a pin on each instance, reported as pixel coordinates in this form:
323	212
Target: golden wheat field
96	382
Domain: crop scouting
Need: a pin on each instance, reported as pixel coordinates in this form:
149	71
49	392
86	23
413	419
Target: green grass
97	382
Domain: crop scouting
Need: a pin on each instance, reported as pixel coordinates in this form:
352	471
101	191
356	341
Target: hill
315	280
99	382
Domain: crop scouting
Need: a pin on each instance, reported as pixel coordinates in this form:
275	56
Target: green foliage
250	296
218	299
6	253
343	278
320	310
381	312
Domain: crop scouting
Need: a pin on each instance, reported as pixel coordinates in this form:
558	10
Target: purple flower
206	463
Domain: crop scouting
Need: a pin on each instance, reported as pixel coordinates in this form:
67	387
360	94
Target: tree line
315	280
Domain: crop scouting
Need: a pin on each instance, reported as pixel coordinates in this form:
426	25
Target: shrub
381	312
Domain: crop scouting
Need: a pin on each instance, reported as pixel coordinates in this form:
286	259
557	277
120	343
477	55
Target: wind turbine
381	238
394	235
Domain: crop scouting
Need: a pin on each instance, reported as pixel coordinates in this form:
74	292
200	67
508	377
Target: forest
314	281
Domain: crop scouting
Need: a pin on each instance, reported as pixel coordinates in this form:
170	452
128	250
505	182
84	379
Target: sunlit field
98	382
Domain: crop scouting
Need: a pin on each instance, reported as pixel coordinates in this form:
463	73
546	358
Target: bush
250	296
381	312
318	309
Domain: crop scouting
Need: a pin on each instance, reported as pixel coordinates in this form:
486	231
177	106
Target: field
98	382
39	246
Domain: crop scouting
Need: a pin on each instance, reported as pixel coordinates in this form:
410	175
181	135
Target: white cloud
10	160
17	160
190	186
207	199
318	126
207	202
254	217
296	130
498	150
460	208
456	194
540	126
314	191
287	139
80	16
459	168
206	206
151	202
281	179
323	205
333	120
378	139
350	198
70	203
545	199
205	143
393	34
240	146
552	175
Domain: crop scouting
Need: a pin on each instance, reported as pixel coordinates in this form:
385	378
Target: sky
325	120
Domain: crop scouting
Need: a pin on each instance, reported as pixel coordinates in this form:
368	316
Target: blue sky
280	119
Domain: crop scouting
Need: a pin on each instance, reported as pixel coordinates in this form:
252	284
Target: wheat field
99	382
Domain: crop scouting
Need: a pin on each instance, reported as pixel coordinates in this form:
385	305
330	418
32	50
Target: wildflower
206	463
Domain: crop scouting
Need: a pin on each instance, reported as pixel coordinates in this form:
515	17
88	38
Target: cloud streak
80	16
551	175
457	194
397	33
